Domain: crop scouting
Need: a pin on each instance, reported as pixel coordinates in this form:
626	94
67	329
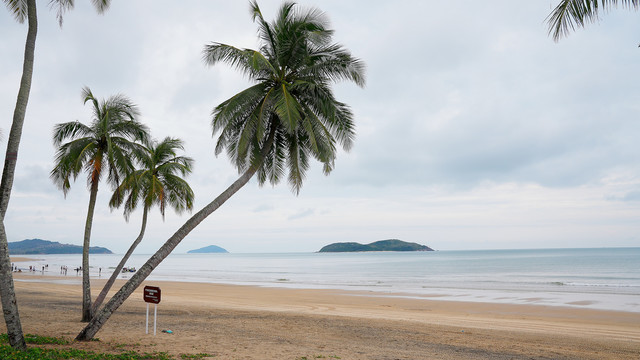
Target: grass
195	356
65	353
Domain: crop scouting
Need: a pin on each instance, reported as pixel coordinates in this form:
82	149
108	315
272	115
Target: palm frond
264	29
101	5
61	7
17	8
69	130
287	107
569	14
250	62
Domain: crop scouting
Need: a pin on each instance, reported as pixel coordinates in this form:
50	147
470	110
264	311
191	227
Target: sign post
152	295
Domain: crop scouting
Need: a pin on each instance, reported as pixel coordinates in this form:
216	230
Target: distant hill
43	247
208	250
382	245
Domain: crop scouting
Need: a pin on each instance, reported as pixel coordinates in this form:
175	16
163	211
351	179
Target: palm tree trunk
7	292
116	271
9	304
86	283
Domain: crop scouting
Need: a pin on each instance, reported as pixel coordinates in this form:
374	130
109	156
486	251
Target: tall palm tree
289	116
104	146
21	9
157	182
571	13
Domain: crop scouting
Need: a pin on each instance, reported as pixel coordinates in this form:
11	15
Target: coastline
233	321
548	277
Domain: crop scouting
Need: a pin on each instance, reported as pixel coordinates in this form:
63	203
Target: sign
152	294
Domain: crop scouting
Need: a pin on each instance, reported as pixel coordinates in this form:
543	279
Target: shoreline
589	301
264	322
510	283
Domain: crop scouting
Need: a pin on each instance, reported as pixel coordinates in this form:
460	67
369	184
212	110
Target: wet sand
245	322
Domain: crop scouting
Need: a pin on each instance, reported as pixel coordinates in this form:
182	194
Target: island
44	247
211	249
382	245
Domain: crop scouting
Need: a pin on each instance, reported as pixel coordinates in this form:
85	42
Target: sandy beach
244	322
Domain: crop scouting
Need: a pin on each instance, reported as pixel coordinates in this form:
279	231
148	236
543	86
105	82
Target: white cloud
475	129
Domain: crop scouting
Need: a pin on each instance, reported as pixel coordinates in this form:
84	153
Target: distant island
44	247
382	245
208	250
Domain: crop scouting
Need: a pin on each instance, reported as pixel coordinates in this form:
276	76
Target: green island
211	249
382	245
44	247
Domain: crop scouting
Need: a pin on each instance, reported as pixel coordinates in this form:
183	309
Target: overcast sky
474	131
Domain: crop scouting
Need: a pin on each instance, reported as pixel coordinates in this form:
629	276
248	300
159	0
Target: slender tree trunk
116	272
136	280
7	292
86	282
9	303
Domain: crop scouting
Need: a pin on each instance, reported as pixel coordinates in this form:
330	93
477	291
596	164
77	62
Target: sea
599	278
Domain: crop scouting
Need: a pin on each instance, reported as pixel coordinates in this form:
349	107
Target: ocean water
603	278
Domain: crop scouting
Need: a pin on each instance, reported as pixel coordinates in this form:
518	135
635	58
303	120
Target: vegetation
383	245
195	356
58	349
38	246
105	147
569	14
288	117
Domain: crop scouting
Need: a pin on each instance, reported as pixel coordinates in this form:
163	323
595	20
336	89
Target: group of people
63	269
32	268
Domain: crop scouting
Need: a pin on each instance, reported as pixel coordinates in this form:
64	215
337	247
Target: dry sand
243	322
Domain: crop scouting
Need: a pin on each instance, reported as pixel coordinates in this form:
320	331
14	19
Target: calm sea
604	278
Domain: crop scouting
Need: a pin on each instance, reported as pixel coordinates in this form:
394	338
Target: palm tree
278	124
21	9
157	182
105	146
571	13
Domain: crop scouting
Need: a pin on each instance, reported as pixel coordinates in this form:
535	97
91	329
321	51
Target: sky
475	129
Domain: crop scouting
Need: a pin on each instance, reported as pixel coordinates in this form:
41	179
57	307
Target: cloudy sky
474	131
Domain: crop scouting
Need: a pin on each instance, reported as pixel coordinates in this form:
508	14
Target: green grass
195	356
36	339
66	353
35	353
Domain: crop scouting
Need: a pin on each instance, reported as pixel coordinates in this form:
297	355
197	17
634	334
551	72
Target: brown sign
152	294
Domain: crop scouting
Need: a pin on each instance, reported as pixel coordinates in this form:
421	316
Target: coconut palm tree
21	9
571	13
275	126
156	182
105	147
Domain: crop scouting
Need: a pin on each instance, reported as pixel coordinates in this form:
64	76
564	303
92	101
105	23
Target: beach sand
244	322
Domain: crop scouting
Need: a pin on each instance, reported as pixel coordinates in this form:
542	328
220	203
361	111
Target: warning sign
152	294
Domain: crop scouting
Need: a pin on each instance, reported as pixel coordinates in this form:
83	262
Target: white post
155	313
147	331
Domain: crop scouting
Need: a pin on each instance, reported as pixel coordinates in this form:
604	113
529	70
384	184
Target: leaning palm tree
104	147
21	9
569	14
275	126
157	182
